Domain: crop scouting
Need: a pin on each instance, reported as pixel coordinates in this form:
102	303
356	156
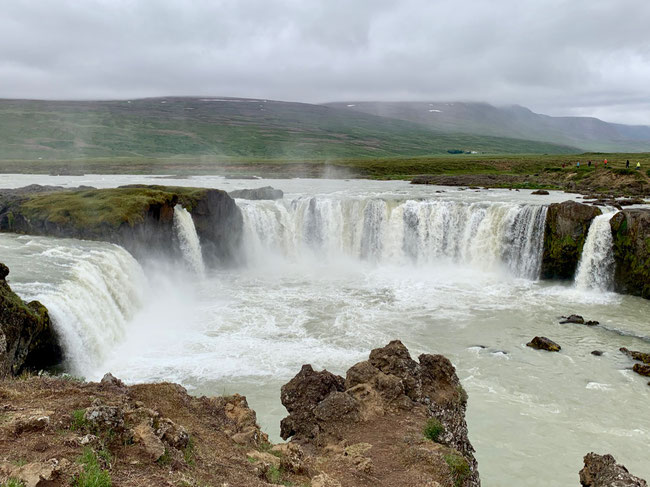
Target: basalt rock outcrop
565	232
603	471
368	427
138	217
631	234
27	337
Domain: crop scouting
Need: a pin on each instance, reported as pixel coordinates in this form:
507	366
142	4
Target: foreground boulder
543	343
369	427
631	234
603	471
138	217
565	233
27	336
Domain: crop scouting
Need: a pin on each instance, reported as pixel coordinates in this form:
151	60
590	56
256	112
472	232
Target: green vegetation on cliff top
97	207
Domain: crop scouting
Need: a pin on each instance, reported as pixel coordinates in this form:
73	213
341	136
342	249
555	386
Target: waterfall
596	267
91	308
484	235
188	239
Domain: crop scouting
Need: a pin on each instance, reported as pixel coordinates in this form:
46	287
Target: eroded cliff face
631	234
391	421
567	225
139	218
27	337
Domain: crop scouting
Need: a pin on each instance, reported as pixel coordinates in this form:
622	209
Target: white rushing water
188	239
596	267
92	291
481	235
337	268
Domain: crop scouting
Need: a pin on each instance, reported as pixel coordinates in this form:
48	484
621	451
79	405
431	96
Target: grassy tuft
189	453
433	429
92	475
459	468
79	422
13	482
274	475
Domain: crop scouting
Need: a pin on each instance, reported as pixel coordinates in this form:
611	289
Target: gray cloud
583	57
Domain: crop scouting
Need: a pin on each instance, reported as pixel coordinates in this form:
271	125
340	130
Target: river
339	267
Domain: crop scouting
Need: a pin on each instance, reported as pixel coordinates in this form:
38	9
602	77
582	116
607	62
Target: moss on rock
567	225
27	337
631	234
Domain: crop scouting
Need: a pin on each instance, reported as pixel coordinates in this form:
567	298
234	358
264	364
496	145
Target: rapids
337	268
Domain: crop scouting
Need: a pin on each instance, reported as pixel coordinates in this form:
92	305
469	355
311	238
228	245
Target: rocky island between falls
390	421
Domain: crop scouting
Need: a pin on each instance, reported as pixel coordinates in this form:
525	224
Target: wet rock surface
565	232
28	340
543	343
631	235
603	471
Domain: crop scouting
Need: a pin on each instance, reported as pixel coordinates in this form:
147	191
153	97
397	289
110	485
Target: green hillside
219	128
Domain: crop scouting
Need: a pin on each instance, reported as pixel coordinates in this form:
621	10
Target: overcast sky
561	57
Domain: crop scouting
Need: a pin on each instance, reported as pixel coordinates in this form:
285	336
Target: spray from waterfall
188	239
596	267
483	235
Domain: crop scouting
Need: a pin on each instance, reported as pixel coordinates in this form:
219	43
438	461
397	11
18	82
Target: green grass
94	209
13	482
189	453
165	459
92	475
433	429
274	475
79	422
459	468
184	126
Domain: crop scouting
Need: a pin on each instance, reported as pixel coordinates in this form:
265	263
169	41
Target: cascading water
482	235
188	239
92	291
596	267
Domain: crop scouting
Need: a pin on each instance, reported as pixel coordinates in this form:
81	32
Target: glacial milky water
337	268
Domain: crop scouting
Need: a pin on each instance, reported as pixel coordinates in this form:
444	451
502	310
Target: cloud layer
562	57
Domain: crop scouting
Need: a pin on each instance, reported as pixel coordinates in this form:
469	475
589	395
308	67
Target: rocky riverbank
391	421
137	217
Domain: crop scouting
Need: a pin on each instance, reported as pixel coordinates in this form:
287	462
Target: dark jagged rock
540	192
597	353
603	471
577	319
642	369
565	233
265	193
640	356
389	388
138	217
631	234
301	395
27	337
592	323
543	343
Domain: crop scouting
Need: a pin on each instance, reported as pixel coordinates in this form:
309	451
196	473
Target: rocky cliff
27	337
391	421
631	233
140	218
603	471
567	225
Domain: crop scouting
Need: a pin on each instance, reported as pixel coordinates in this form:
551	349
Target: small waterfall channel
596	267
188	240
